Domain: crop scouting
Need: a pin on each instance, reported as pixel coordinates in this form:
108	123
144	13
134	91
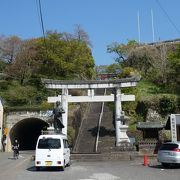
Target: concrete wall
15	117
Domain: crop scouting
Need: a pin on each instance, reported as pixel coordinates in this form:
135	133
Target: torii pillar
64	102
120	127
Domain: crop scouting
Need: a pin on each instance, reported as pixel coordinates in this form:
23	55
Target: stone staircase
107	132
85	142
87	135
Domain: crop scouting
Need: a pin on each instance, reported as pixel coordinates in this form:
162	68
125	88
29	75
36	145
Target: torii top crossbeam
90	84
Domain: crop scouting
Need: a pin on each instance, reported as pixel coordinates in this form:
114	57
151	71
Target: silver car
169	154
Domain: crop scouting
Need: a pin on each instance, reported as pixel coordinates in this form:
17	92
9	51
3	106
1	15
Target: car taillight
176	150
38	162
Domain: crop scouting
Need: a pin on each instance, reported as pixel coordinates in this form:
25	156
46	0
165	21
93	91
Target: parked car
52	151
169	154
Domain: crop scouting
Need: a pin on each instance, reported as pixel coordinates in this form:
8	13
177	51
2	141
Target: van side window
65	142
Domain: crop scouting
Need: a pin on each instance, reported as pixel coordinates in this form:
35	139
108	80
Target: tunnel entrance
27	132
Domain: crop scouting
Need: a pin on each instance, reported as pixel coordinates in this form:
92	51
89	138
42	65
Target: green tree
17	95
58	56
128	72
153	62
25	63
114	68
173	74
121	50
167	105
2	65
65	59
140	59
9	47
81	35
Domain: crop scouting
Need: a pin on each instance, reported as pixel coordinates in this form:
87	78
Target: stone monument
57	116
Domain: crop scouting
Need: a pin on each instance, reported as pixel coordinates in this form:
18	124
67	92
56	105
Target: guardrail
150	146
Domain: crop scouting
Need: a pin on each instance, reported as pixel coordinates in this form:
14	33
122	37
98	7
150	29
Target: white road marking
86	179
104	176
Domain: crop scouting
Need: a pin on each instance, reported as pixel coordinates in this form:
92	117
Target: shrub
167	105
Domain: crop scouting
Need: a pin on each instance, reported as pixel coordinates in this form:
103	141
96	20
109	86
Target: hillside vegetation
24	62
68	56
158	68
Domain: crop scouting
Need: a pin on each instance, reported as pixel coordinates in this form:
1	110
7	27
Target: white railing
99	124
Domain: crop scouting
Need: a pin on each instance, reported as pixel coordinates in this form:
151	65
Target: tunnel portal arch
27	132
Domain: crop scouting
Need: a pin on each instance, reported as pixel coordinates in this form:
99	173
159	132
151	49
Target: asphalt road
23	169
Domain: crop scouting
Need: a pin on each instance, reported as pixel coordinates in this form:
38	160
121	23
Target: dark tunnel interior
27	132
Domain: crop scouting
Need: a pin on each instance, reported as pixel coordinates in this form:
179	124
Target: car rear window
169	146
49	143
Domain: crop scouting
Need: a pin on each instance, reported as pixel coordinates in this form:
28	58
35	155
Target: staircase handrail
99	124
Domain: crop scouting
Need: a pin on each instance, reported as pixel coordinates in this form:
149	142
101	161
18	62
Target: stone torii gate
118	97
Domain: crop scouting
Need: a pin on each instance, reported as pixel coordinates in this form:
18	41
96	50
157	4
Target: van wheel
166	165
69	163
63	167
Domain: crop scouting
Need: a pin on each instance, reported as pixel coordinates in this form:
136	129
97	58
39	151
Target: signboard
6	131
173	128
177	119
1	122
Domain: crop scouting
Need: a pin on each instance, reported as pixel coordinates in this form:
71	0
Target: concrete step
100	157
111	156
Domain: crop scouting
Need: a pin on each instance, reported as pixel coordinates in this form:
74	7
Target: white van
52	150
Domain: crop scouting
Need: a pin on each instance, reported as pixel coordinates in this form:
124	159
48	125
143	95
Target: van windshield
49	143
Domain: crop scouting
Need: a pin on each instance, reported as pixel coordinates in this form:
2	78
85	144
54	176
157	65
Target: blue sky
105	21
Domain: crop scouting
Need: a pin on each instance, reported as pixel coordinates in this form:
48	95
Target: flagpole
152	24
139	33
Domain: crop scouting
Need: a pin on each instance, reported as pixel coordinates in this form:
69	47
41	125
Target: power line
38	3
170	20
41	18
